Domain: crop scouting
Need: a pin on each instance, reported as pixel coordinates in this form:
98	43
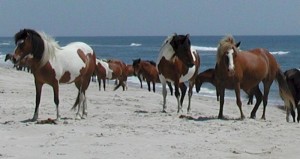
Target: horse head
136	66
181	45
27	42
227	52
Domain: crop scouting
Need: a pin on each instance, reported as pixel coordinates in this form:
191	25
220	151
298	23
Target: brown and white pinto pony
177	63
111	69
53	64
209	77
245	70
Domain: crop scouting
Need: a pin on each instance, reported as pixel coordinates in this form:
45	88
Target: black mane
36	40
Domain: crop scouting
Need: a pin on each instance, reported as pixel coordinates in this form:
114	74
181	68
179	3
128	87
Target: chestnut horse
52	64
147	70
293	81
209	76
111	69
245	70
177	63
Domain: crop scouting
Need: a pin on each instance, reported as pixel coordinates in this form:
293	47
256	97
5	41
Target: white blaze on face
230	58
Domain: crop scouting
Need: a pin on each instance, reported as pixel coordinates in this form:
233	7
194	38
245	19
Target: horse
209	76
245	70
22	66
111	69
292	77
147	70
50	64
177	63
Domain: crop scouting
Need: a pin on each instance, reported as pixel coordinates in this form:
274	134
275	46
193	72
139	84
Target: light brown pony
245	70
209	77
177	63
52	64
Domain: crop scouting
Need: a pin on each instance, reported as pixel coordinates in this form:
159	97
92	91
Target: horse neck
207	77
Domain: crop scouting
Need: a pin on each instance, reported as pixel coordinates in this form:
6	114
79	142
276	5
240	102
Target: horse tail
285	92
76	102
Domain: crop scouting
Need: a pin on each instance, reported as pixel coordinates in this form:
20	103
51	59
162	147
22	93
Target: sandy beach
130	124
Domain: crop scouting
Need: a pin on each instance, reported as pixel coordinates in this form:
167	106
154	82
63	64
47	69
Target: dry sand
130	124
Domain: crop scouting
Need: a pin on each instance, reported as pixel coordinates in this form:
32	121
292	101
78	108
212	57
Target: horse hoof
78	117
164	111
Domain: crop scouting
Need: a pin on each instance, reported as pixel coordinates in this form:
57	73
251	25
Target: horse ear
237	45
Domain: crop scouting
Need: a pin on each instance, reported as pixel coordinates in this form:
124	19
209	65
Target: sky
151	17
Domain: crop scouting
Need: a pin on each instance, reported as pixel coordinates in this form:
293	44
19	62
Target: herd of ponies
177	66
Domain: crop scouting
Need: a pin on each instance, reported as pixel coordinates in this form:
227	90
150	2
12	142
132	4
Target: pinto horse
111	69
293	81
209	76
52	64
245	70
177	62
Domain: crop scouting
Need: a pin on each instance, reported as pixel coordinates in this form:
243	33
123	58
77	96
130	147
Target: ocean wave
5	44
135	44
279	52
203	48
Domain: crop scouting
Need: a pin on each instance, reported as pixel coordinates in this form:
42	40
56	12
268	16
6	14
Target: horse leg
104	85
183	88
80	106
265	98
38	89
56	99
191	85
99	83
164	93
153	86
170	87
298	112
238	100
222	94
140	81
177	94
258	96
148	84
84	106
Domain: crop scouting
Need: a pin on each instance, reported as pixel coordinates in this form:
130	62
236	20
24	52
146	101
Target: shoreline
130	124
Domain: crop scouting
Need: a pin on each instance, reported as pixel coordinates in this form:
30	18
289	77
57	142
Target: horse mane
50	46
43	46
168	47
224	44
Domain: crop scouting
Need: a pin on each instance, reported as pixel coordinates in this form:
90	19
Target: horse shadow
206	118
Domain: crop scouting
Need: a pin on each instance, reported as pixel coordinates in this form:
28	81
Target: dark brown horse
209	76
111	69
293	81
177	63
51	64
245	70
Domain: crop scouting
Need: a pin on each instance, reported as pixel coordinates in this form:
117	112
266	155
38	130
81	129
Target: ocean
286	50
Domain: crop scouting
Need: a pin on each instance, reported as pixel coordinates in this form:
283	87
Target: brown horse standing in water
177	63
209	76
245	70
51	64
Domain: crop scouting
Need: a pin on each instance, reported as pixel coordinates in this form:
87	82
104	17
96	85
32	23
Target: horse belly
67	69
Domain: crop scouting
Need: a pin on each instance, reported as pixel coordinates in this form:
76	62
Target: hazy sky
151	17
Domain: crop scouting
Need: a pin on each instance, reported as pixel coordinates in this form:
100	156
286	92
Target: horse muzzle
189	65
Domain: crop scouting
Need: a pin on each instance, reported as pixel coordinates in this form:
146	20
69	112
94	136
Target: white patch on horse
65	61
230	58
